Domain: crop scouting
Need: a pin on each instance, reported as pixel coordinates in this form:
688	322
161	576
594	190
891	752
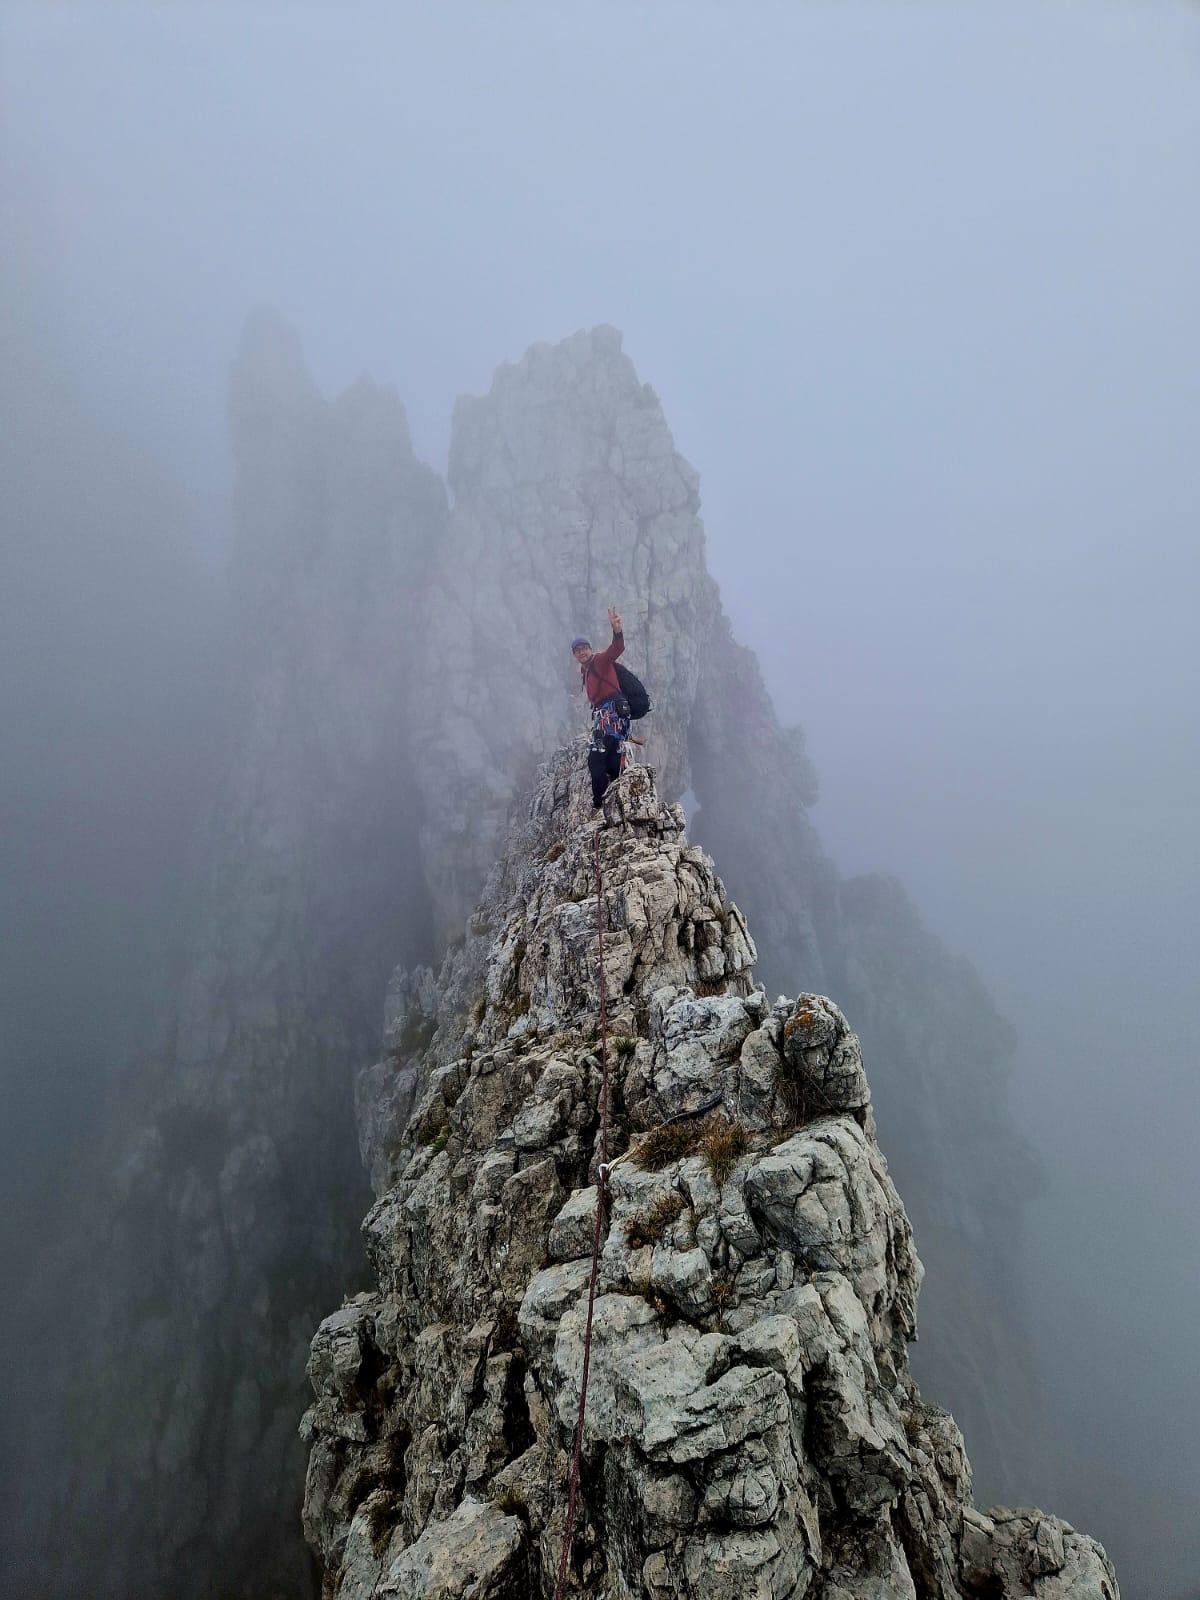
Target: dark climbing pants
604	765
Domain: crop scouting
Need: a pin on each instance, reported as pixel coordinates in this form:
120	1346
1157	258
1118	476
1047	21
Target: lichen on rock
751	1429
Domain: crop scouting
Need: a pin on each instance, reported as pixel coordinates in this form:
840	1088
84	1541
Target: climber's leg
604	765
598	767
616	757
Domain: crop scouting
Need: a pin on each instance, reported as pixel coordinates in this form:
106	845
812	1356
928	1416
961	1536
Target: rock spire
398	669
752	1428
569	494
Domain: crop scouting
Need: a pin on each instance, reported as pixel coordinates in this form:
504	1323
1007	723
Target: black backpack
634	691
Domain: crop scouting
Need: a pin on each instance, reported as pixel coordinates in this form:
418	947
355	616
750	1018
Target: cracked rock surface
752	1428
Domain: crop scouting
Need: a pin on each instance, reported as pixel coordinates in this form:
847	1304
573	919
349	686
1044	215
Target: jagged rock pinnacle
752	1429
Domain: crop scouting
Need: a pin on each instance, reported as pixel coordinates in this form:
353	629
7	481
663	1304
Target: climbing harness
602	1172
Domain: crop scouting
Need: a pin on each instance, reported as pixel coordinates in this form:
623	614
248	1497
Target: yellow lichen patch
800	1020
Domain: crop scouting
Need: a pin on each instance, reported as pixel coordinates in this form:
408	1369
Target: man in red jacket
610	709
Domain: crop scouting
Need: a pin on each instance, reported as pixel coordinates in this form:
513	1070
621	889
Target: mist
916	288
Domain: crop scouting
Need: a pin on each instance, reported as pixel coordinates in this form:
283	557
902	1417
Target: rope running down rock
601	1198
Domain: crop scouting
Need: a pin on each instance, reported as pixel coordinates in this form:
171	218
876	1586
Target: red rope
602	1176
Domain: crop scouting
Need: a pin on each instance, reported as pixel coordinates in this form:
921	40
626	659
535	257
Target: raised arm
618	639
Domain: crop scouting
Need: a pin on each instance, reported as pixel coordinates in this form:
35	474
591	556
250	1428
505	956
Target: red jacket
600	675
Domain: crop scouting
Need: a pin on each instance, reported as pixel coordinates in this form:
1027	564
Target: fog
917	287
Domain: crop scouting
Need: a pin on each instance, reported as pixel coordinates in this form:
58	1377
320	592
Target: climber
610	708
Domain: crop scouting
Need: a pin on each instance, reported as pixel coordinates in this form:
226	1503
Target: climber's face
583	653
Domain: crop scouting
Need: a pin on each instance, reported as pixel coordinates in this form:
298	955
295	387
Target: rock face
751	1428
398	669
569	495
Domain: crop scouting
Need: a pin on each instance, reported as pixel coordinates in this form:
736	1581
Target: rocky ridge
752	1426
569	494
397	669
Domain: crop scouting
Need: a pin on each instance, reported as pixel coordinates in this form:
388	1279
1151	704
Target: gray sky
917	286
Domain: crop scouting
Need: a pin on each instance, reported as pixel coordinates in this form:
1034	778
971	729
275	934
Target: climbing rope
602	1171
597	1235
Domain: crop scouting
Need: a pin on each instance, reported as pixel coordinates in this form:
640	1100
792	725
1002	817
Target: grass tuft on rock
511	1503
804	1099
722	1146
669	1142
658	1303
721	1143
435	1125
723	1293
649	1226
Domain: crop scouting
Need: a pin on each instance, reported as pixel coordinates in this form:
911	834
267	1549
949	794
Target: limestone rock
569	494
473	1552
751	1425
